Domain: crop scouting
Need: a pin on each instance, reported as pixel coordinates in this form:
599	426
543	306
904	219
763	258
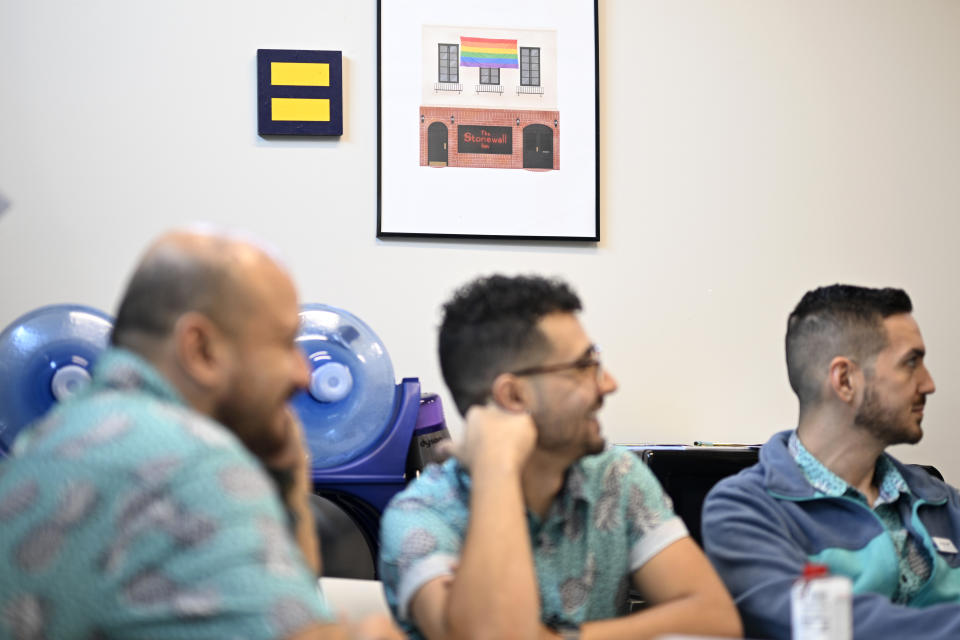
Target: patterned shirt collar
121	370
891	484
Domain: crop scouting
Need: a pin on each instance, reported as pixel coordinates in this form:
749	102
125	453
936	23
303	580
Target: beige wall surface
750	150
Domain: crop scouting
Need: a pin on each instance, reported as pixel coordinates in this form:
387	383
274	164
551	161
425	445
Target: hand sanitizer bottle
821	605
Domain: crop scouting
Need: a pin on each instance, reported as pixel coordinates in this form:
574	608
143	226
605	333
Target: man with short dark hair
141	508
536	529
828	493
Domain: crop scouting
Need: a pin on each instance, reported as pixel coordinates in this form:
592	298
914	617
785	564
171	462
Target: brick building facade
489	138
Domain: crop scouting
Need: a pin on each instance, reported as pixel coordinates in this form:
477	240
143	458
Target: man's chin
908	436
595	446
915	436
264	438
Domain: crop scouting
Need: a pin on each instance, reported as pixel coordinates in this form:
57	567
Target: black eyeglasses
592	359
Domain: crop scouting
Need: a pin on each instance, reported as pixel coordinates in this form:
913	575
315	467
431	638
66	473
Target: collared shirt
915	562
609	518
123	513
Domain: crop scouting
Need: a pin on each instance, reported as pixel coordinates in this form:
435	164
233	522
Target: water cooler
367	434
46	356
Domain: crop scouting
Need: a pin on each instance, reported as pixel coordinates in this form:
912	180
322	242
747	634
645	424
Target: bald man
159	502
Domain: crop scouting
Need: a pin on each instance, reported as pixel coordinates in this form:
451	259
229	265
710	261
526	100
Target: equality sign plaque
483	139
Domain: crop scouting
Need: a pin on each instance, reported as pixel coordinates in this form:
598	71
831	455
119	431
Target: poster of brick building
469	119
489	98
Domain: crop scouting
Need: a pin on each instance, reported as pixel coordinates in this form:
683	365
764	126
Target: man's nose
927	385
301	371
608	384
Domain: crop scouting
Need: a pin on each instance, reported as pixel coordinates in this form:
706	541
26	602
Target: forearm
322	632
494	593
294	487
375	627
290	469
697	614
304	527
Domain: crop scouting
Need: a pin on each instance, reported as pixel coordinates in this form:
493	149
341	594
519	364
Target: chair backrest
687	473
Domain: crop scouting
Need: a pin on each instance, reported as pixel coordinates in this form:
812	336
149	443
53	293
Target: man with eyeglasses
536	529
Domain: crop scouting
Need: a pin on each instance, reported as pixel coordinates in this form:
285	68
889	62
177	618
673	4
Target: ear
511	392
844	379
201	350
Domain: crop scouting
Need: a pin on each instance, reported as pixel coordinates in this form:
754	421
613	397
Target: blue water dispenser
362	428
46	356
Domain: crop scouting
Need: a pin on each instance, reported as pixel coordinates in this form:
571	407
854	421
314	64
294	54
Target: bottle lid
812	570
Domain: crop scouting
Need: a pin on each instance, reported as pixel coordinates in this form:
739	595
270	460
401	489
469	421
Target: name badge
944	545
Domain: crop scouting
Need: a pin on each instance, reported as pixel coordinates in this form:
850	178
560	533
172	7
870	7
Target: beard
550	442
567	434
883	423
561	423
259	426
594	447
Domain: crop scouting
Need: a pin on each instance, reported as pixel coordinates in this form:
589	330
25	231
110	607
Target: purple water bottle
430	430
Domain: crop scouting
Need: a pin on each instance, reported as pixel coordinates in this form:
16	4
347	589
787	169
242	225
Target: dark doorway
537	147
437	145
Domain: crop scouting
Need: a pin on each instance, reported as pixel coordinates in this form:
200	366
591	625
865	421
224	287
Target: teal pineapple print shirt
124	514
610	517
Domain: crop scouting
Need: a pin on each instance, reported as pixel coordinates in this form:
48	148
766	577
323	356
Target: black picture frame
499	187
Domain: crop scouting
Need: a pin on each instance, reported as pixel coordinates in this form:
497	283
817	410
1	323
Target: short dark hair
168	283
489	327
838	320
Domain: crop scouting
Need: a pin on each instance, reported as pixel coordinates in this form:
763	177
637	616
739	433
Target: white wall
751	150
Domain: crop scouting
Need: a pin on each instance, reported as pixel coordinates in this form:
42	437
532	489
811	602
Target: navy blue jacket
762	525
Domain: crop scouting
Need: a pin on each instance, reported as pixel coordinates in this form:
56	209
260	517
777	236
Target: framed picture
488	119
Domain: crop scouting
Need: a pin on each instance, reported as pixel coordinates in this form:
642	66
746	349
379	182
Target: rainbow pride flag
488	53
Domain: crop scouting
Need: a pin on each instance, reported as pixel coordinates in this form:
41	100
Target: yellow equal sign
303	109
300	74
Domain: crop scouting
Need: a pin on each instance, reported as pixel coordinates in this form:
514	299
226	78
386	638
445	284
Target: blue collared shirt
915	562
